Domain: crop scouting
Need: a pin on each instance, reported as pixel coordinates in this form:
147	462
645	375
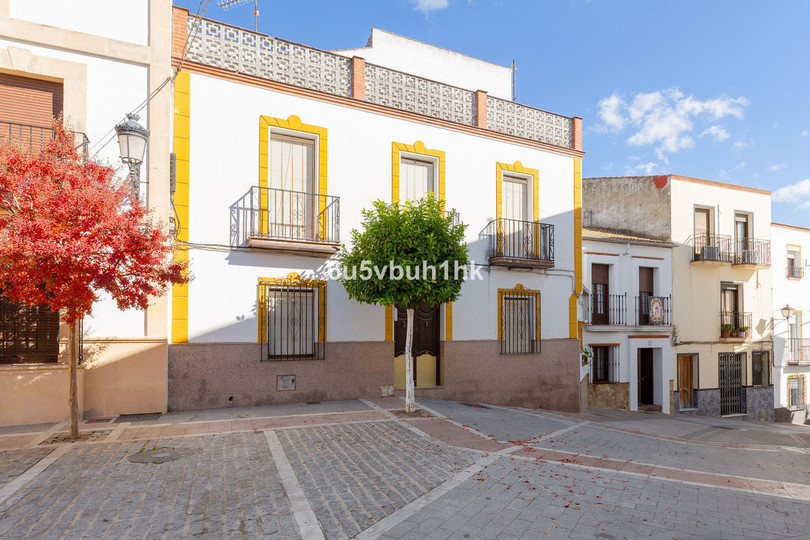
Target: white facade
630	331
410	56
790	245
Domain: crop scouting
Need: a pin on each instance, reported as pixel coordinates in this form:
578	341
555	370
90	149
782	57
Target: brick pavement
355	461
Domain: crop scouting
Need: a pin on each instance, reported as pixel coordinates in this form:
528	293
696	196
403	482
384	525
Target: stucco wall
36	394
634	204
222	375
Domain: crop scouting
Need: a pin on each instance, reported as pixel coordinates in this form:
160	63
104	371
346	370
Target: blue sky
714	89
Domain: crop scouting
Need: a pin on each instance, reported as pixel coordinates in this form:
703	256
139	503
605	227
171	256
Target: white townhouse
280	146
791	313
721	283
91	61
628	319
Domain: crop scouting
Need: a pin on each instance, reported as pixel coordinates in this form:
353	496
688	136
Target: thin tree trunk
410	394
72	373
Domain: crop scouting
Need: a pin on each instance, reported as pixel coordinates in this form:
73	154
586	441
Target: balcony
653	310
287	221
608	309
795	272
711	250
735	325
520	244
752	253
38	136
797	352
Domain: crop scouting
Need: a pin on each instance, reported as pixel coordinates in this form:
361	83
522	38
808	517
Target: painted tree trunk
410	393
73	400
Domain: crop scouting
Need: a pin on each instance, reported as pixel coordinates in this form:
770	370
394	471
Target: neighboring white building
280	146
721	288
628	323
94	61
791	288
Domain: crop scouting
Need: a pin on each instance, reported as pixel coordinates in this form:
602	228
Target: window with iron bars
519	320
28	334
292	318
605	364
795	391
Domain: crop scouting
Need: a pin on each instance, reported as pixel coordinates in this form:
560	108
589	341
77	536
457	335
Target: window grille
795	388
519	314
28	334
292	318
605	364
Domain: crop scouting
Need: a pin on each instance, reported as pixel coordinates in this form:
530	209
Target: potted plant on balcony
586	355
741	331
726	330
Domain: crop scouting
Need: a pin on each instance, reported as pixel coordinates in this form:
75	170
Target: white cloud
718	132
645	169
794	193
426	6
777	166
666	118
805	133
739	145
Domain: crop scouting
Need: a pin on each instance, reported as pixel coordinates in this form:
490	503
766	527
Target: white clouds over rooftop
426	6
667	118
794	193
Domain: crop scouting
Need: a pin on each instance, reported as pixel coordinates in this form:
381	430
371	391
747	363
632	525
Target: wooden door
416	179
601	294
646	382
686	381
425	348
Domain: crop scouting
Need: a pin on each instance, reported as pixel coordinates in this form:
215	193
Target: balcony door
416	179
292	201
600	274
517	227
703	231
730	304
645	291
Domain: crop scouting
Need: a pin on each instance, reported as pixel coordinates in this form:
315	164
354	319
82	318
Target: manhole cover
160	455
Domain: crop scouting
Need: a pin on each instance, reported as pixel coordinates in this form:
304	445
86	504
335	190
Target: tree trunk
73	401
410	393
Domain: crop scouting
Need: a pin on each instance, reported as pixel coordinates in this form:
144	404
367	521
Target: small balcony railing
752	252
735	324
454	216
280	215
521	243
38	136
644	317
795	272
797	351
608	309
712	248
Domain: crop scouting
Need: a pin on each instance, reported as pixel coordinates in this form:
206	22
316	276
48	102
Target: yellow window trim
417	148
517	168
794	247
801	385
182	125
292	123
293	278
522	292
573	300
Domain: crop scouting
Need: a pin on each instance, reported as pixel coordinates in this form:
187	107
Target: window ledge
296	247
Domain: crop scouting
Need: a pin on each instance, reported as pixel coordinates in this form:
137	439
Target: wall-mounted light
132	138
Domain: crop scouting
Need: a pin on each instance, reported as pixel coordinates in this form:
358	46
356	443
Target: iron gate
731	394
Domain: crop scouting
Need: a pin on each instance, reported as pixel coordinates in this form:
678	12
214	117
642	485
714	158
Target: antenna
227	4
514	77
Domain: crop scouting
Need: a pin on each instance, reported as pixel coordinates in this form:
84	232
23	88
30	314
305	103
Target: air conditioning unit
749	256
710	253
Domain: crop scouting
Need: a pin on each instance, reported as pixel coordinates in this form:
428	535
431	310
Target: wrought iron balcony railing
752	252
282	215
796	272
608	309
520	243
644	316
735	324
38	136
712	248
797	351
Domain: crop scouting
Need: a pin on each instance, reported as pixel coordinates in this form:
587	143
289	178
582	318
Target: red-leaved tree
69	229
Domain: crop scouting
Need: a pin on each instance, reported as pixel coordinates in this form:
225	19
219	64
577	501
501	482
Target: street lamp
132	139
787	311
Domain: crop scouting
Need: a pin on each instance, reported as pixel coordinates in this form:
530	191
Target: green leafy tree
392	260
